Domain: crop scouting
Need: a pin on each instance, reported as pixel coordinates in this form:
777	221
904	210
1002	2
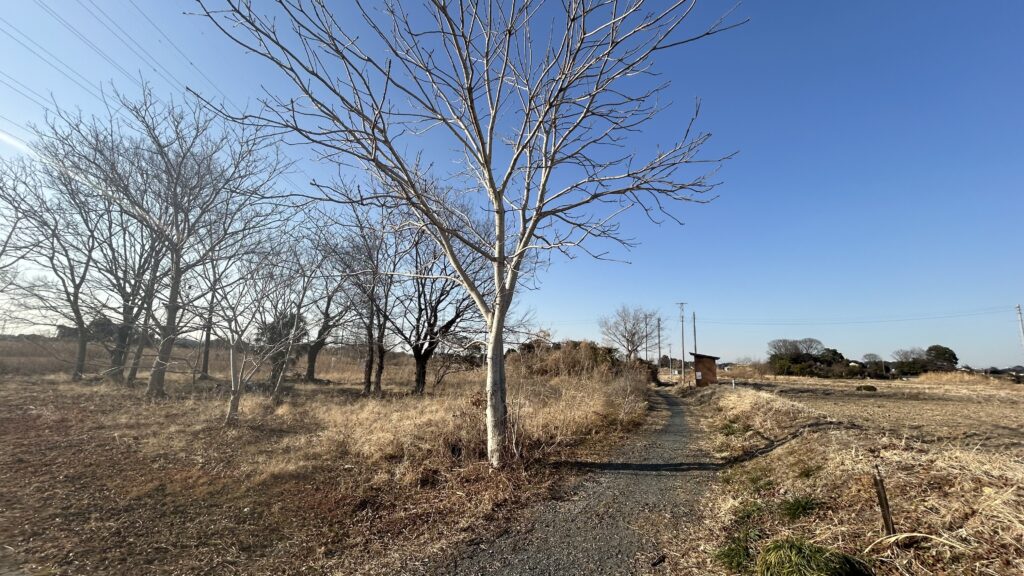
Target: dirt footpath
614	523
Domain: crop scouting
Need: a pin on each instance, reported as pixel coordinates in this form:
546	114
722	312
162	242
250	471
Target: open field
799	459
36	356
96	479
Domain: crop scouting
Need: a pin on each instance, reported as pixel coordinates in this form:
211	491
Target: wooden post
883	503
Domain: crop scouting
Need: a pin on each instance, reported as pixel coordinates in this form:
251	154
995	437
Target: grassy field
95	479
800	456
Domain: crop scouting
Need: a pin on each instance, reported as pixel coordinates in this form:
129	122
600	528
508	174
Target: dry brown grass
36	356
96	479
958	503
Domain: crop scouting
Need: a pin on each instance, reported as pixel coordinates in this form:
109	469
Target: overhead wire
125	38
202	74
131	44
71	28
51	59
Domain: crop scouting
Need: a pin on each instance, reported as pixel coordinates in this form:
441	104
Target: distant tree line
809	357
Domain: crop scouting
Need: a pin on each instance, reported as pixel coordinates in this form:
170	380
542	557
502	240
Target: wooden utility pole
695	334
682	341
659	342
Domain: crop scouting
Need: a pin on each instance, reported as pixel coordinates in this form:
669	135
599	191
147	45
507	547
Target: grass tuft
796	557
798	506
737	552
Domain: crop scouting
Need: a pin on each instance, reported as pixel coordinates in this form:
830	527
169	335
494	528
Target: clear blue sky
880	173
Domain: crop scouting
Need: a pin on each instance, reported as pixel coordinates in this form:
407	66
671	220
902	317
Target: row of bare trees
533	104
536	101
158	222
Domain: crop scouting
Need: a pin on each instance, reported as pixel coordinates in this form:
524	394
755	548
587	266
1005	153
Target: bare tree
629	329
10	221
60	233
330	303
242	312
373	256
540	104
432	306
191	177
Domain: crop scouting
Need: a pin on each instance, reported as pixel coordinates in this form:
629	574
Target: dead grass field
803	452
96	479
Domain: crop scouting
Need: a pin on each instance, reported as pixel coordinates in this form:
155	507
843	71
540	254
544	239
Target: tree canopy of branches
197	184
539	99
630	329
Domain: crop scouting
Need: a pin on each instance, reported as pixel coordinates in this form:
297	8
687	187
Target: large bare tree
539	99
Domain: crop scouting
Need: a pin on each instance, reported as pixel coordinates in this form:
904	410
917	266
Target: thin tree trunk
119	355
167	336
379	374
368	364
236	389
497	416
204	370
140	347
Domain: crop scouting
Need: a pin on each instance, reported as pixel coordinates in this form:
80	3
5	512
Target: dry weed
958	510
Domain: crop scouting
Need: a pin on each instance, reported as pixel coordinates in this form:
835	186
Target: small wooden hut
705	369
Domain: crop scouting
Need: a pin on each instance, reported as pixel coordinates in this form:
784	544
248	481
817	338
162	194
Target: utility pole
1020	319
694	333
659	342
647	337
682	341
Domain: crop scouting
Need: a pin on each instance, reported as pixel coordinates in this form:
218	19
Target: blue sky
874	203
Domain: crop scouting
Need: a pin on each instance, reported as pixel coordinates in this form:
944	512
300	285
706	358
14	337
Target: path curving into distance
615	521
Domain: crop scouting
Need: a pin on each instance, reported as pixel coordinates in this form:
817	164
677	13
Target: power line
24	94
140	51
181	52
16	81
51	59
826	321
87	42
287	179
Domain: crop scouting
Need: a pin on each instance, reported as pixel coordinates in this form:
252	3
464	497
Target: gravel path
615	520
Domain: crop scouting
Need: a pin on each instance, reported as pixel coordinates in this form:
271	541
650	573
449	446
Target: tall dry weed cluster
958	508
401	436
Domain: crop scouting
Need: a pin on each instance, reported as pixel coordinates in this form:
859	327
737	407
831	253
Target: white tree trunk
236	387
497	411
